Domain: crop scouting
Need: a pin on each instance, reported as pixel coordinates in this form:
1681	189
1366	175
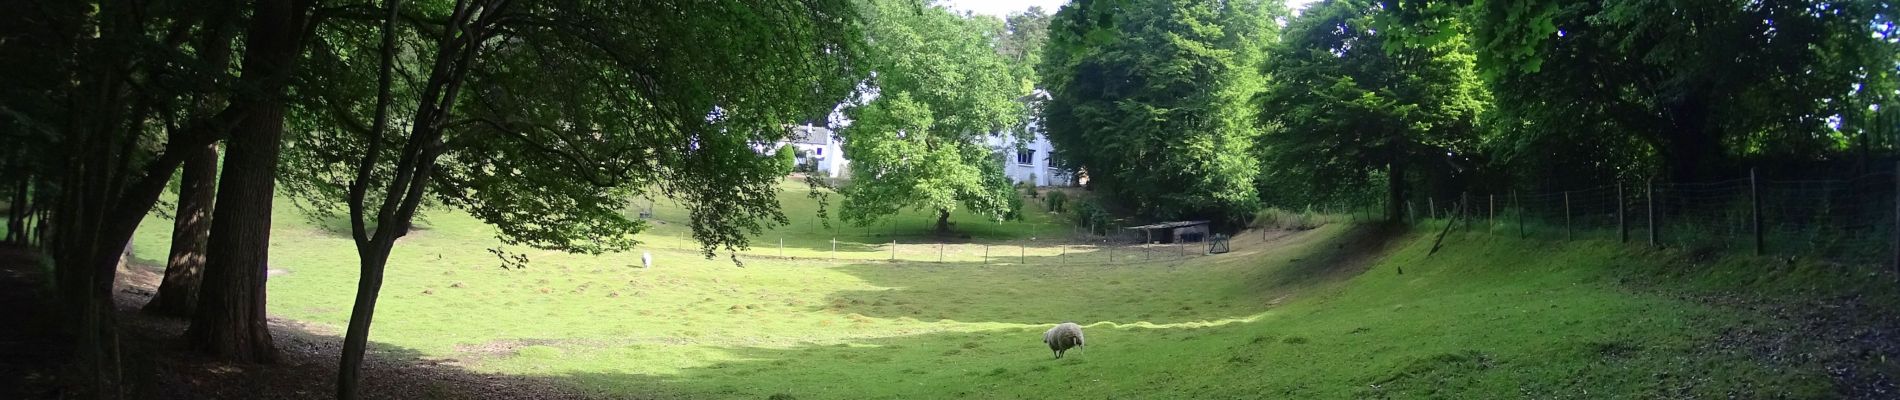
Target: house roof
1169	225
811	135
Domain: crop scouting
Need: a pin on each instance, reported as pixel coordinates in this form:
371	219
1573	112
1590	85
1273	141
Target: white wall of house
1031	162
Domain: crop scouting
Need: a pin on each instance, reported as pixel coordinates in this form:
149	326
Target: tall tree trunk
943	221
178	294
373	257
356	340
231	321
1395	192
1695	152
17	211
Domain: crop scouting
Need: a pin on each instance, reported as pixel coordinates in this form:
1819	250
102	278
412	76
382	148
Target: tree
105	117
787	158
1682	88
1344	107
938	88
545	118
1150	97
1021	41
231	322
177	294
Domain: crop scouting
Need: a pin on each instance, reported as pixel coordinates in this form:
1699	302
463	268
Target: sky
1001	8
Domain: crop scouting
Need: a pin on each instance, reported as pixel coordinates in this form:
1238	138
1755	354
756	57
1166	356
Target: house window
1026	157
1052	161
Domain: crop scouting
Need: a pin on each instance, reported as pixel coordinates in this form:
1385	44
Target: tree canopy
1150	99
915	135
1345	110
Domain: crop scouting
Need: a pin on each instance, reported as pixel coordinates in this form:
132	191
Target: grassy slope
1490	317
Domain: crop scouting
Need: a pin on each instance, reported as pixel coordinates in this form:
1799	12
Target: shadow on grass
1335	260
1048	290
1007	362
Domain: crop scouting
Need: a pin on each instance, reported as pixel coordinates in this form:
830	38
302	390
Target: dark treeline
1384	101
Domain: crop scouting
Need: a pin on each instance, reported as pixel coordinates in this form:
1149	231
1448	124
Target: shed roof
1168	225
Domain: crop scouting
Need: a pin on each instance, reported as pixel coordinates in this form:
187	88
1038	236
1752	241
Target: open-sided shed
1172	232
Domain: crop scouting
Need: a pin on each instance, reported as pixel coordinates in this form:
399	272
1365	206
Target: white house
1032	162
821	148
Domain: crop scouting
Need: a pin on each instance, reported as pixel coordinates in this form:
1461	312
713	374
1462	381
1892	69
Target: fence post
1464	209
1410	214
1065	253
1567	234
893	249
1754	201
1493	221
1022	254
1622	223
986	254
834	249
1649	201
1431	205
939	252
781	247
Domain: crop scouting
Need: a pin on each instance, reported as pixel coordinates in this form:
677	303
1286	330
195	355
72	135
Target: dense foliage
916	134
1346	111
1150	99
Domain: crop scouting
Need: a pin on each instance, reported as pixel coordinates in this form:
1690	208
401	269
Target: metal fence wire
1846	221
1115	249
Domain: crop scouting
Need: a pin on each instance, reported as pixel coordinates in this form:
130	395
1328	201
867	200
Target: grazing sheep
1063	337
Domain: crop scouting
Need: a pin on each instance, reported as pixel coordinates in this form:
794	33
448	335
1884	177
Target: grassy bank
1323	313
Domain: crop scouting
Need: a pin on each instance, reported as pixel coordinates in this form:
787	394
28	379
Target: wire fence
1851	220
1115	248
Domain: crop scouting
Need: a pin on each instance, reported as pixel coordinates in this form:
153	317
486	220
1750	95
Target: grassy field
1324	313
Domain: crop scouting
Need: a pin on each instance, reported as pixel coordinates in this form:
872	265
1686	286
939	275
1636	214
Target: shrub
787	159
1088	213
1056	201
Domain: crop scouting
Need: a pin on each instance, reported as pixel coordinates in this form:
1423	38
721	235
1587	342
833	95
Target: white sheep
1063	337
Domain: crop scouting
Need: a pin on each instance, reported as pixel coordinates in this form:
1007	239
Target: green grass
1311	316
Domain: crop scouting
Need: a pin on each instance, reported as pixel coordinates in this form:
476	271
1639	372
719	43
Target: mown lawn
1308	315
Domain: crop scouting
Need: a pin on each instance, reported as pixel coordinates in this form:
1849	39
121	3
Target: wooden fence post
986	254
834	249
1622	224
1065	253
1022	254
893	249
1649	201
781	247
1567	234
1754	201
1431	204
940	252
